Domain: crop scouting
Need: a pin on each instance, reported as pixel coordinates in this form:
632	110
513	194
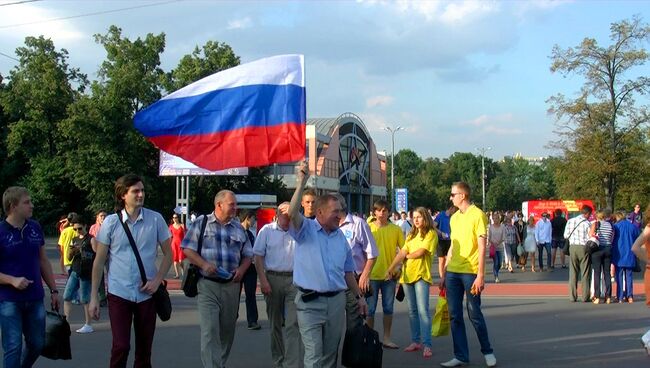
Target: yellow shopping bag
440	325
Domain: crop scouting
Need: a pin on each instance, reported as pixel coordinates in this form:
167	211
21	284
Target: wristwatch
54	291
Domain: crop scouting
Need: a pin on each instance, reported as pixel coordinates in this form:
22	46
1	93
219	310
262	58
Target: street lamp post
392	162
482	150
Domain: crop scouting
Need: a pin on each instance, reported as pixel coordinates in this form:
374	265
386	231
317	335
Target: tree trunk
609	187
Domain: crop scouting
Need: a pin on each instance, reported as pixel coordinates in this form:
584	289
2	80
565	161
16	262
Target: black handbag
593	243
57	337
362	348
192	274
161	296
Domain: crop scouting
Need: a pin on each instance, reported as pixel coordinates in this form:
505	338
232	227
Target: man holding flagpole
323	270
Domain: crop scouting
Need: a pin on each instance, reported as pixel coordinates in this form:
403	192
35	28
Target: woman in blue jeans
496	238
417	254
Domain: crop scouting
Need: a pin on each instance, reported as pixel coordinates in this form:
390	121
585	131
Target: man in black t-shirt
557	235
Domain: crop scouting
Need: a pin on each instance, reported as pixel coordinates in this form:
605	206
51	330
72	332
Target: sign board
171	165
401	199
570	207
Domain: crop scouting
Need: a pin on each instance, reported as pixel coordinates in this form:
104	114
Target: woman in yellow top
417	255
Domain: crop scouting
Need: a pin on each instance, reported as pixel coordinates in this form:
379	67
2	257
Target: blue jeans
458	285
417	297
498	257
387	296
18	319
540	249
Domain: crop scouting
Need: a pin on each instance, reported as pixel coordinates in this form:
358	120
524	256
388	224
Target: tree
103	143
35	104
216	57
604	115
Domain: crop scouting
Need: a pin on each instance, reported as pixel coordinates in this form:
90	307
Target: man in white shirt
405	224
543	236
274	249
364	253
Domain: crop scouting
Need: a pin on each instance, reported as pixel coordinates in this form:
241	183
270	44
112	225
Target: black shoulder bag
594	242
161	296
192	274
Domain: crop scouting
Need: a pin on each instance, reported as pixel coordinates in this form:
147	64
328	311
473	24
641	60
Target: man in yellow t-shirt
465	275
65	239
389	240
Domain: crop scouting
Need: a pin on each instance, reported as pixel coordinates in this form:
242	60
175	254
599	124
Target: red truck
570	207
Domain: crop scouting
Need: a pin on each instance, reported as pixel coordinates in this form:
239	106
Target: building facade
342	158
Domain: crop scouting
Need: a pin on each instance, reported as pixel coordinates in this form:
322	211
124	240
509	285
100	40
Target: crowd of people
320	269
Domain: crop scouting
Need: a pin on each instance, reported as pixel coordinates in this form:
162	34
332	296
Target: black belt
327	294
280	273
217	280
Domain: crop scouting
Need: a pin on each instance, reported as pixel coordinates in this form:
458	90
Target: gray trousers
321	325
280	306
218	305
352	316
580	264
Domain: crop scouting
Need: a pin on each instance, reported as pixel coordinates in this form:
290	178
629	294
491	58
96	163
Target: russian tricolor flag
251	115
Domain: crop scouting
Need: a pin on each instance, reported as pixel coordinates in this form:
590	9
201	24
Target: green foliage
67	139
216	57
599	130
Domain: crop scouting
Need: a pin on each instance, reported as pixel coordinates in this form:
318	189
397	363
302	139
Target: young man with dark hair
557	225
389	239
130	302
23	263
308	203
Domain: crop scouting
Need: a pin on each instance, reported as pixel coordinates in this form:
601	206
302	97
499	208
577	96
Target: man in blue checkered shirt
225	255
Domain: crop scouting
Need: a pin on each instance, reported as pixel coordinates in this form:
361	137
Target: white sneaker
490	360
645	339
453	363
86	329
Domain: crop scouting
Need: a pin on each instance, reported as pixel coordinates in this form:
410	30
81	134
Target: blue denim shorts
387	296
74	285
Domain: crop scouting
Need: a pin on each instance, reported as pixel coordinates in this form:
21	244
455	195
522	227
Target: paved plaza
530	320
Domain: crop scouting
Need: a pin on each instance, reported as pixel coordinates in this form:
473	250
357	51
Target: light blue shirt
149	230
276	246
543	231
321	259
360	239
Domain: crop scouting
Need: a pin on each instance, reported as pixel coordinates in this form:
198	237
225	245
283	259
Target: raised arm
294	208
639	245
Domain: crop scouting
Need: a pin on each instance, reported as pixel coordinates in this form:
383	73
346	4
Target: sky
456	75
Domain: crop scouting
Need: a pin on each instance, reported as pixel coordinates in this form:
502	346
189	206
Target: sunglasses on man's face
77	228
